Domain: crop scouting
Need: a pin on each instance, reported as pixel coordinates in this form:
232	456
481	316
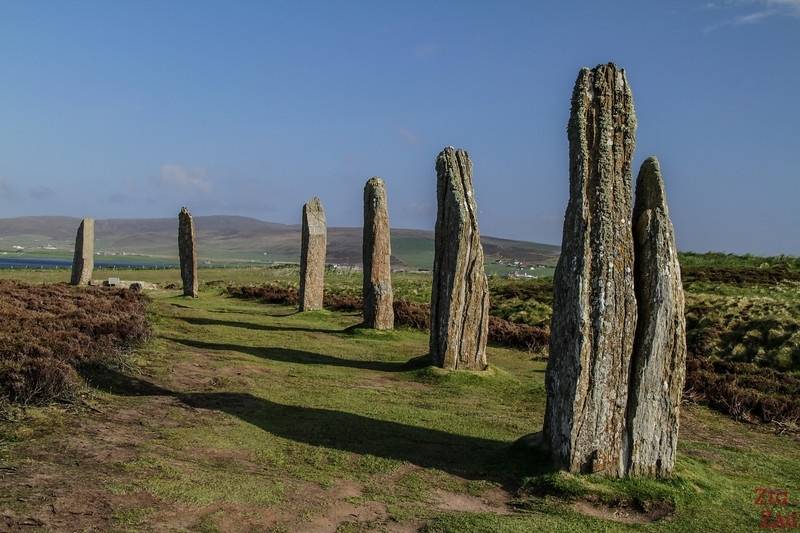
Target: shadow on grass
202	321
225	311
461	455
288	355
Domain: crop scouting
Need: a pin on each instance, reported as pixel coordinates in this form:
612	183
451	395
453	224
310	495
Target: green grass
716	259
251	409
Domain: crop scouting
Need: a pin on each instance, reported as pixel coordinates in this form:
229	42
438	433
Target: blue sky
132	109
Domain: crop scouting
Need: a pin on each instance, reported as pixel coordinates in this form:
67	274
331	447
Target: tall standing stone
460	293
83	259
594	307
659	354
312	256
187	250
377	289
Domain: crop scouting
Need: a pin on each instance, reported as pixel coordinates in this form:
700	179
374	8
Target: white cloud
410	137
424	50
185	178
41	192
764	9
7	191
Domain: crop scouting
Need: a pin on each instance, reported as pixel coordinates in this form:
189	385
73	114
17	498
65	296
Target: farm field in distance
240	415
238	241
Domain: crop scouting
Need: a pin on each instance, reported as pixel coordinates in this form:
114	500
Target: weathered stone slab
659	355
460	292
312	256
594	309
377	290
187	251
83	258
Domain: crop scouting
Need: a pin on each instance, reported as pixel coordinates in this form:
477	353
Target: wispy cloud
426	50
7	191
756	11
409	136
185	178
425	209
10	193
42	192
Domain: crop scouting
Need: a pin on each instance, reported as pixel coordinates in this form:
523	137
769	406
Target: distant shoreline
40	264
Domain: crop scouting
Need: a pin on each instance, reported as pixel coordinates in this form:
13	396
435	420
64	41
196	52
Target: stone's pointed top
650	192
451	150
88	220
610	65
604	69
315	204
453	162
374	181
452	154
185	211
603	66
314	216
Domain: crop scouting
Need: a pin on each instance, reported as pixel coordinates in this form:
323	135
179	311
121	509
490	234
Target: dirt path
86	469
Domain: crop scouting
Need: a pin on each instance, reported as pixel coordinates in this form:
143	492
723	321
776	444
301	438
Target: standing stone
659	354
312	256
187	250
83	259
460	293
377	290
594	307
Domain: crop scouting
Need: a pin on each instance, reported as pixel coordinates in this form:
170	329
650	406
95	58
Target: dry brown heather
47	331
409	314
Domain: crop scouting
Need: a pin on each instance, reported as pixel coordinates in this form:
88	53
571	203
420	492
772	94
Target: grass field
241	416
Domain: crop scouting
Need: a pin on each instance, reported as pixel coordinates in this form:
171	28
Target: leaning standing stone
659	355
594	307
312	256
188	253
460	293
377	290
83	259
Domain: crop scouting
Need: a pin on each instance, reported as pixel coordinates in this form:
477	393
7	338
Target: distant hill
235	238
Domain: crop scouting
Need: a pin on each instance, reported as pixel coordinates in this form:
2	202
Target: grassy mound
47	331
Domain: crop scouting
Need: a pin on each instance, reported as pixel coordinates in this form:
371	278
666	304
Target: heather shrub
48	331
410	314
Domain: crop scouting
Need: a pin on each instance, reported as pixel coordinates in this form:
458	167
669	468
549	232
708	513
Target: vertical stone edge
83	256
312	256
187	253
459	295
377	294
658	366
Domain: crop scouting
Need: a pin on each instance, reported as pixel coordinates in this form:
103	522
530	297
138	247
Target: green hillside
240	239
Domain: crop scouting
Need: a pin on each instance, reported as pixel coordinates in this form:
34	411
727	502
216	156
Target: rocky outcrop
187	251
460	292
377	289
594	308
659	355
312	256
83	258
